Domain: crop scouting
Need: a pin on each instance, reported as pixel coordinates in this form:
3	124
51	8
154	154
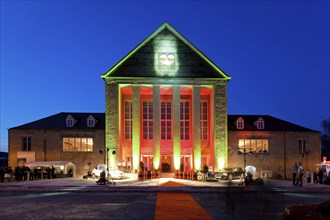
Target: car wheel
93	176
230	176
200	177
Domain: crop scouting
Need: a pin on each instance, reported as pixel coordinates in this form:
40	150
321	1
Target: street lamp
101	151
245	152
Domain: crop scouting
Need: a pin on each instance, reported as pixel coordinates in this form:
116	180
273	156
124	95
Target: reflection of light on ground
74	188
29	196
301	195
114	204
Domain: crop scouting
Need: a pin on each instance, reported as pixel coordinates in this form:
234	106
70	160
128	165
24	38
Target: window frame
128	120
240	123
86	144
185	119
204	130
253	145
147	120
26	143
166	120
302	146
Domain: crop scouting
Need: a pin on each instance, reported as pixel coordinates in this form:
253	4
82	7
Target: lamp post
101	151
244	159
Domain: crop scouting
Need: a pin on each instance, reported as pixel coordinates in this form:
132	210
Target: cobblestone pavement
77	198
132	184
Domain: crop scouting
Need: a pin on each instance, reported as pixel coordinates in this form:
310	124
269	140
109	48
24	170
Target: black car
229	173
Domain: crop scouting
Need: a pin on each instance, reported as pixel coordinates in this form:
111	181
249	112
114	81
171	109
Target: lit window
184	120
302	146
253	145
166	120
26	144
260	123
204	120
77	144
147	120
240	123
128	120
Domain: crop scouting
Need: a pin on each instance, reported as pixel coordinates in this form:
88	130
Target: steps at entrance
167	175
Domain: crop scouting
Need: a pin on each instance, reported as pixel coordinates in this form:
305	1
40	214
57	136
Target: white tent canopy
63	165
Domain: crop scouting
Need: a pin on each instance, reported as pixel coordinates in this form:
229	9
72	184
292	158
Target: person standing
300	174
294	174
320	175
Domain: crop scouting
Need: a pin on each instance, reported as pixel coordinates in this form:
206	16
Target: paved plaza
131	183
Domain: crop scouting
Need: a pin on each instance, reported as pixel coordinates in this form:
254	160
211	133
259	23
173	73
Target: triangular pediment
166	53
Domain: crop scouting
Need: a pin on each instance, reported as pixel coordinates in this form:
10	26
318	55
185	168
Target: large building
166	105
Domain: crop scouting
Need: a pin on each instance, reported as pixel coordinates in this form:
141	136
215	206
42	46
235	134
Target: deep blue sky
53	52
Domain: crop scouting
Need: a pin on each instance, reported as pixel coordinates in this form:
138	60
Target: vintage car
308	211
229	173
116	174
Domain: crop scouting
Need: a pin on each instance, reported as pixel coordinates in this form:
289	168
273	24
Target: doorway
166	164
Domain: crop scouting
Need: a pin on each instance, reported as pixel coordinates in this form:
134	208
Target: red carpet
178	206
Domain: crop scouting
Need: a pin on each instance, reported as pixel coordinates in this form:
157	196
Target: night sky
53	53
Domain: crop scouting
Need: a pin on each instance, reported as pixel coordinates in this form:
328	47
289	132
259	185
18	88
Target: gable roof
58	121
140	62
270	124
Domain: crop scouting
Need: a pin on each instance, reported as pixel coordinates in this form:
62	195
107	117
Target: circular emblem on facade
167	59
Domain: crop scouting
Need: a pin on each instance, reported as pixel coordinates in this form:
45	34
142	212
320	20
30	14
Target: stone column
136	127
176	126
156	126
220	125
112	124
196	123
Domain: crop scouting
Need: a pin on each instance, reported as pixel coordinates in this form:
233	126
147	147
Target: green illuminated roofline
169	27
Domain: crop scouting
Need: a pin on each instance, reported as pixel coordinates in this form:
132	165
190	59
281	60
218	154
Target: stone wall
46	145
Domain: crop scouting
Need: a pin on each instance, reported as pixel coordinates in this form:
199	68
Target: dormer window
260	123
240	123
70	121
91	121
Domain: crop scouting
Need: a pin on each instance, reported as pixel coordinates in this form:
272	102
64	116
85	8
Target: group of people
7	174
297	174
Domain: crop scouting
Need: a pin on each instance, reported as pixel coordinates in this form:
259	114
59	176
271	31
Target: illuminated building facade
166	105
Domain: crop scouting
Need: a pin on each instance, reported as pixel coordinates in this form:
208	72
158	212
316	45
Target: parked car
230	173
116	174
308	211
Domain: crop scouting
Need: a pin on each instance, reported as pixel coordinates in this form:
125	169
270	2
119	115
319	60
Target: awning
48	163
65	164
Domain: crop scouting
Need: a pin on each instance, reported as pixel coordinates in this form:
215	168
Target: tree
325	138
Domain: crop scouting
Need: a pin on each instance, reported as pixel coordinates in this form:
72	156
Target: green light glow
221	162
136	127
197	163
156	127
156	163
176	127
154	35
112	159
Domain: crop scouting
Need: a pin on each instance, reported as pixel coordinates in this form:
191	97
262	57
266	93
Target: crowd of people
299	175
24	173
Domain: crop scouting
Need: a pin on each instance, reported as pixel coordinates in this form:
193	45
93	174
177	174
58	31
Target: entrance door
148	162
166	164
186	163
